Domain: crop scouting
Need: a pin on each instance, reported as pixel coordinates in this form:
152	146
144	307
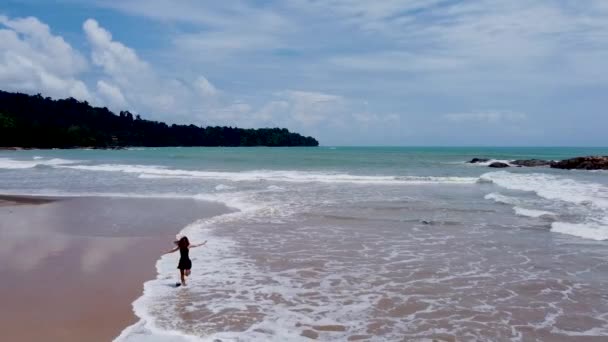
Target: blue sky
349	72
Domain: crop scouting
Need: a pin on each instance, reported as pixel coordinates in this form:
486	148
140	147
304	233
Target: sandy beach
351	244
71	267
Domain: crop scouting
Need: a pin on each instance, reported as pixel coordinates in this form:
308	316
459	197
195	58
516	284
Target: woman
185	264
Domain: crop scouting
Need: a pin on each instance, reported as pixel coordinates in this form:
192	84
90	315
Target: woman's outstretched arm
198	245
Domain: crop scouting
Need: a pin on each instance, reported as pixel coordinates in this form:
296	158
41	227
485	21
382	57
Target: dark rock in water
478	160
583	163
531	162
498	165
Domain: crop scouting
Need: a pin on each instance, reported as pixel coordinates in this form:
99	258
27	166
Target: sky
348	72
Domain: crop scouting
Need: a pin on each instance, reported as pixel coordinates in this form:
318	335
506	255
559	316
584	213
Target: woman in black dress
185	264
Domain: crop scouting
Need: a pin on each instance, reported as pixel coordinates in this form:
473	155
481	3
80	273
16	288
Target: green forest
34	121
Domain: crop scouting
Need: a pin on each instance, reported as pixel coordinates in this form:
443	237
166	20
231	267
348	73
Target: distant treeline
36	121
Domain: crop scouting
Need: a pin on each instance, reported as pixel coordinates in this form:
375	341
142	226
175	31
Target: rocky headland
578	163
583	163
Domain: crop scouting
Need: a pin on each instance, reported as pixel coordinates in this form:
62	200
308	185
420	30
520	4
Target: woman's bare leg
182	277
187	273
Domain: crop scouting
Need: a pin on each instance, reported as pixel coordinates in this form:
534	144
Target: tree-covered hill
39	122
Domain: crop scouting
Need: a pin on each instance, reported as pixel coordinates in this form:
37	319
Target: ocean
358	243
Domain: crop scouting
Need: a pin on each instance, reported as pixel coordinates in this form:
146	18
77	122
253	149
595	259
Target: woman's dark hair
183	242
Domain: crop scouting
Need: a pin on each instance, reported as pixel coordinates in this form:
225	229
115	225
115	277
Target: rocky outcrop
583	163
531	162
498	165
478	160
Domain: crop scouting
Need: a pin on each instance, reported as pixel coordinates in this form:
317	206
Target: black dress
184	260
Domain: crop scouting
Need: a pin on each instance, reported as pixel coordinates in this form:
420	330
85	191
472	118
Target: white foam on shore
213	265
225	282
487	163
126	168
500	198
216	258
7	163
222	187
588	199
551	187
155	171
531	212
163	172
587	231
218	267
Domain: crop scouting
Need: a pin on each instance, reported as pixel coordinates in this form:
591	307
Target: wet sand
10	200
71	267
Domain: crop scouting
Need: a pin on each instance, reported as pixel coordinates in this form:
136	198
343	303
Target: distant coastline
19	148
34	121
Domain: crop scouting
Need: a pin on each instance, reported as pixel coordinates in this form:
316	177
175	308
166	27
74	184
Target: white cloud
218	29
492	116
221	43
130	80
392	61
111	94
117	60
133	81
484	40
229	114
271	111
311	98
311	108
205	87
33	60
366	13
412	57
311	111
208	13
33	39
369	118
397	51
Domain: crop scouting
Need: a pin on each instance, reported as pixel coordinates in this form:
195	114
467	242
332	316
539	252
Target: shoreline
83	261
11	200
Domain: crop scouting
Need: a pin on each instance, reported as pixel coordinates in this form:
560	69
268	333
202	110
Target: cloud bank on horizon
349	72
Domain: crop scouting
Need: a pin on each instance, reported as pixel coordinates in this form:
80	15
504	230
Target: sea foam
588	230
218	266
589	200
156	171
552	187
7	163
500	198
531	212
487	163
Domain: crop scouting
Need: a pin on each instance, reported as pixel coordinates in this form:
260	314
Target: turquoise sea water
323	153
363	160
378	243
